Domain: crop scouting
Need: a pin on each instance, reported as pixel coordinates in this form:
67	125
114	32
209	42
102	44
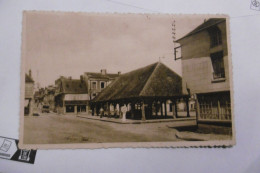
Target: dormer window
215	36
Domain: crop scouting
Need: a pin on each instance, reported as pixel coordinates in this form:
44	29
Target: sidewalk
192	136
191	121
174	124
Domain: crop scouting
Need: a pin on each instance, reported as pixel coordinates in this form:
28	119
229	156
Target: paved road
51	128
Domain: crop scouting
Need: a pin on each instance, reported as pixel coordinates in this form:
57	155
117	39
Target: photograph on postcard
91	80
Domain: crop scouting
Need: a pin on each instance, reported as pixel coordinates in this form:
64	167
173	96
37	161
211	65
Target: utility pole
175	47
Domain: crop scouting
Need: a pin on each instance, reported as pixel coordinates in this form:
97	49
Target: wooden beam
156	109
132	110
188	108
161	108
119	110
165	108
173	110
108	109
143	111
150	108
176	109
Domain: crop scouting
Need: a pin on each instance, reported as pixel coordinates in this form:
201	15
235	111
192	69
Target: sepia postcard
102	80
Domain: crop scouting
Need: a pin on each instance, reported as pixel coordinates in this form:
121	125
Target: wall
198	45
197	76
196	63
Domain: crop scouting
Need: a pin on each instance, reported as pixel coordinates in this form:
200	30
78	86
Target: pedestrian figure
124	110
101	112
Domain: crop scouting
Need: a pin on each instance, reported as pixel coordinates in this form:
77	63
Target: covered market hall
151	92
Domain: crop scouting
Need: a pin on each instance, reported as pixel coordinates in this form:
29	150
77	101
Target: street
51	128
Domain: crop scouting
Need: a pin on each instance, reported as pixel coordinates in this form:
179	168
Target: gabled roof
209	23
155	80
101	76
28	79
72	86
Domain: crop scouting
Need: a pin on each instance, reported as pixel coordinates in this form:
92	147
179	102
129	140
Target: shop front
76	103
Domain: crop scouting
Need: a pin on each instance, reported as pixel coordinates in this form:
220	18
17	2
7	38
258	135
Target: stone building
28	95
96	82
205	68
71	96
48	99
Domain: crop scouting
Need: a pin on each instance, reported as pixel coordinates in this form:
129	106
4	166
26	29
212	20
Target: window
215	36
81	108
177	53
102	85
138	106
218	65
94	85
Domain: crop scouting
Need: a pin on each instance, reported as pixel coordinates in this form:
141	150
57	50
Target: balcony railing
218	75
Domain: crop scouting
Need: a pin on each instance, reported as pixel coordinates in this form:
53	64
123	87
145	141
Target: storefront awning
76	97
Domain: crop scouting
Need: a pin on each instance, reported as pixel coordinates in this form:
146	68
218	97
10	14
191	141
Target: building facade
49	95
96	82
28	95
71	96
205	68
150	92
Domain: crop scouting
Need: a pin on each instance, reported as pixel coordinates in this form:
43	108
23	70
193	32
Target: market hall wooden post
150	109
132	110
114	107
119	110
108	109
176	108
156	109
143	111
161	108
165	108
173	109
188	108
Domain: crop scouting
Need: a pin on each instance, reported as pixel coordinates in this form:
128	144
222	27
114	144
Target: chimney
103	71
119	73
30	73
81	78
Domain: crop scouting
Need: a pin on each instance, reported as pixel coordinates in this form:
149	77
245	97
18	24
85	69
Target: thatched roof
155	80
207	24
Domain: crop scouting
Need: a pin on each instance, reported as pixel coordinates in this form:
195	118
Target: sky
69	44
